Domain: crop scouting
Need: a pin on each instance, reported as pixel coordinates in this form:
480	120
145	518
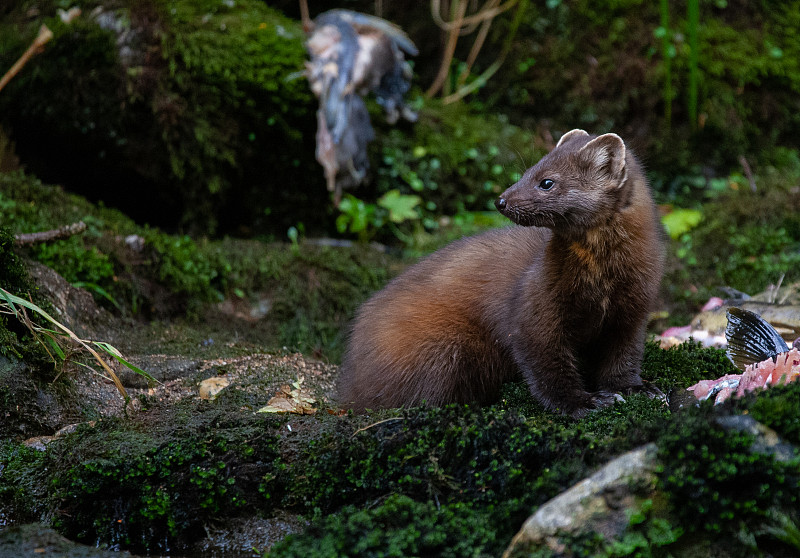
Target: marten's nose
500	203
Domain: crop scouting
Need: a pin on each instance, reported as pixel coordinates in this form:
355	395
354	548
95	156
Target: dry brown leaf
291	399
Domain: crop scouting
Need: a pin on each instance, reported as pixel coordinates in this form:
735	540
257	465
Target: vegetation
16	280
743	238
208	88
474	473
169	112
177	104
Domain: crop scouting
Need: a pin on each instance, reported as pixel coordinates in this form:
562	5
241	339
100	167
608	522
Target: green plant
185	267
396	526
13	277
365	219
52	340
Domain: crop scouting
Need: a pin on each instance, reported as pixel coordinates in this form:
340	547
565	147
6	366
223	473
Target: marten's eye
546	184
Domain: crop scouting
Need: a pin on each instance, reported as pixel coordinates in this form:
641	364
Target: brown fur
563	300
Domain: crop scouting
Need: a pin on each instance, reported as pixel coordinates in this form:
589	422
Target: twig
473	20
480	81
774	292
449	50
748	172
36	47
308	25
477	45
375	424
29	239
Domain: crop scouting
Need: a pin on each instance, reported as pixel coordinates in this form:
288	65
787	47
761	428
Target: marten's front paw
597	400
648	389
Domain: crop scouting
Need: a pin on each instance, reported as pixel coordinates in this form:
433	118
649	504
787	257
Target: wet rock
765	441
36	540
73	307
243	535
26	407
599	504
163	368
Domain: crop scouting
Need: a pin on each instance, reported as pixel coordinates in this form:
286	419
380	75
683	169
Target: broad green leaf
400	206
680	221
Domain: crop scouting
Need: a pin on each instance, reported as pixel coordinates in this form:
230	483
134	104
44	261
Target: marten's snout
500	203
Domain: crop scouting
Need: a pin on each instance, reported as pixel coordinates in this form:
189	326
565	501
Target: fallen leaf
210	387
291	399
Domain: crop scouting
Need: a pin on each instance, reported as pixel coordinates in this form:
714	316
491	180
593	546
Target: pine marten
562	300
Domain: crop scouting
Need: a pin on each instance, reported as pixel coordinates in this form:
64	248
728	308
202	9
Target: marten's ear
571	134
607	152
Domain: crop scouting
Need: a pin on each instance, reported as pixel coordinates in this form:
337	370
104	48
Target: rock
599	504
765	441
242	535
37	540
28	405
39	443
73	307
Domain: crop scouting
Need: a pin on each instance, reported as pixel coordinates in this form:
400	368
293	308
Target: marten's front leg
619	358
549	366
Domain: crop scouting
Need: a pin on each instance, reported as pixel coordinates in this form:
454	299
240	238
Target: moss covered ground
452	481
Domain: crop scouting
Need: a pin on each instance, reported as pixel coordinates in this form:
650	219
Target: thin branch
308	25
474	85
491	70
375	424
449	50
748	172
476	46
483	14
36	47
29	239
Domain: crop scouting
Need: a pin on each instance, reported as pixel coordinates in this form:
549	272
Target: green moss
312	291
309	293
397	526
719	485
23	482
15	280
446	481
779	409
185	268
145	490
235	102
178	104
683	365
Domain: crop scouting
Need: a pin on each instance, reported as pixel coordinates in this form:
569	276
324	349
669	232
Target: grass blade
111	350
13	301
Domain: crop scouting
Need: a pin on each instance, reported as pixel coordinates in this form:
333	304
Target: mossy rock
179	105
307	293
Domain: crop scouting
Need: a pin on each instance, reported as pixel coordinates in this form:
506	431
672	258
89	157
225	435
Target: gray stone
597	504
